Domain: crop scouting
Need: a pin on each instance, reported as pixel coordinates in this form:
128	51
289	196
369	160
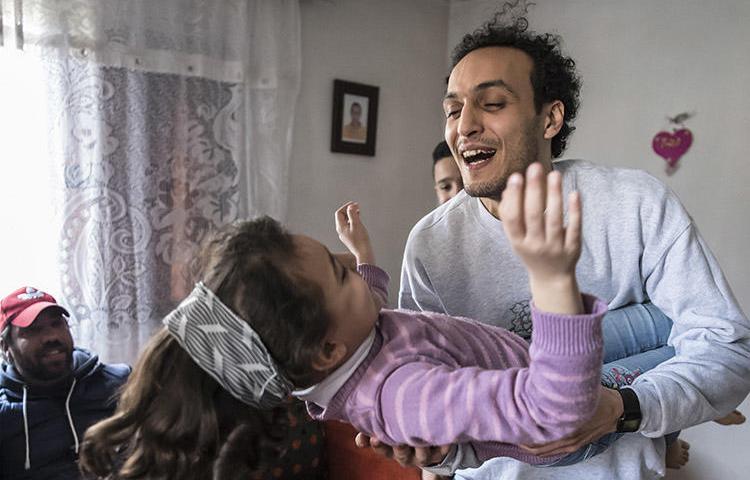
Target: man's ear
329	356
5	349
554	119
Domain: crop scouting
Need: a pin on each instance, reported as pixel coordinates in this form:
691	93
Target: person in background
50	391
445	173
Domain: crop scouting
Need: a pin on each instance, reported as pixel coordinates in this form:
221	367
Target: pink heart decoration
672	146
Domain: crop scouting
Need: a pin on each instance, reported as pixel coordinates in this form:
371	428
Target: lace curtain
166	119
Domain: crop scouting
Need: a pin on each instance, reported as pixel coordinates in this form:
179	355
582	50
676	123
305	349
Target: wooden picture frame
355	118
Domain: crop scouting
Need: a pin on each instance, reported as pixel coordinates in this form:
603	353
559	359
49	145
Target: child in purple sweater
278	313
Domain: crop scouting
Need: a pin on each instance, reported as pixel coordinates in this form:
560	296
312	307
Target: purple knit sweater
431	379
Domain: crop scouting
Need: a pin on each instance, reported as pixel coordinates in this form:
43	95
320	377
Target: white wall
398	46
642	60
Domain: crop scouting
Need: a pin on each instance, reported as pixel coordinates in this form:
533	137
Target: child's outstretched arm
353	233
533	221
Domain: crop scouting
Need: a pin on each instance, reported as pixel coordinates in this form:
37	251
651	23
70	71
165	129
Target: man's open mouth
54	352
477	155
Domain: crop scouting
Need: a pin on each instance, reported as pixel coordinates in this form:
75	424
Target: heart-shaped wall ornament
672	146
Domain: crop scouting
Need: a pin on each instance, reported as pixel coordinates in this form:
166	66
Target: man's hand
604	421
353	233
406	456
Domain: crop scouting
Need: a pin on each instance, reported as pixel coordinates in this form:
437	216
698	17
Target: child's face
348	299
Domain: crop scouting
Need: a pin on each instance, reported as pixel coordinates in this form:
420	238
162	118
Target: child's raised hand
532	216
353	233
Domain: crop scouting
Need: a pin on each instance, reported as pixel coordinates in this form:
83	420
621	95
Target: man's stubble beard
34	370
492	189
528	152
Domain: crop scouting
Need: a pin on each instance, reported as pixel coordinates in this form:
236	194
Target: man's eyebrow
495	83
484	86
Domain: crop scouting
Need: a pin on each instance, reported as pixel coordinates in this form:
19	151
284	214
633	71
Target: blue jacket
55	426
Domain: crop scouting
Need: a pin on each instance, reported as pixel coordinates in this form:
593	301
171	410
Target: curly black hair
553	76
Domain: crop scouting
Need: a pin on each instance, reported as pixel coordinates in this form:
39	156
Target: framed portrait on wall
355	118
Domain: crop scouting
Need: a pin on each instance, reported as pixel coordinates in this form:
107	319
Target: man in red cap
50	391
42	347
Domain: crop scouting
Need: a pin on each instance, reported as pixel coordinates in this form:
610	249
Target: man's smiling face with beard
492	125
43	351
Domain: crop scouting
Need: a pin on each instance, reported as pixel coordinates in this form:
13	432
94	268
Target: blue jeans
635	341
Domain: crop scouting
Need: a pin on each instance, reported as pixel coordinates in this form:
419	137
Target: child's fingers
343	207
341	217
512	208
534	201
352	212
553	214
573	231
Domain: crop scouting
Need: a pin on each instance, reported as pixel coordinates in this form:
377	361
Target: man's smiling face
492	126
43	351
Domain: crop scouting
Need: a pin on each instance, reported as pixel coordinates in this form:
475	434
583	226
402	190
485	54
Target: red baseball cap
21	307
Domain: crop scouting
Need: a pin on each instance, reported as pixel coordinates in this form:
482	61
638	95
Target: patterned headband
225	346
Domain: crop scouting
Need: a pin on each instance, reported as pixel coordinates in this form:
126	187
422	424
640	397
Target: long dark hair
173	420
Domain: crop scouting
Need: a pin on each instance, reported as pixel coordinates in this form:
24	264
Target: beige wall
400	47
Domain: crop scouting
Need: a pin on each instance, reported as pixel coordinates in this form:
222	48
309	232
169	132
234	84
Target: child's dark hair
173	420
250	267
553	76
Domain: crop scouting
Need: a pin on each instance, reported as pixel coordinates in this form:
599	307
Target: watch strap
631	417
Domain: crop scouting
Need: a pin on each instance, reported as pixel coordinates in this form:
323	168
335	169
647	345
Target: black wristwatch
631	414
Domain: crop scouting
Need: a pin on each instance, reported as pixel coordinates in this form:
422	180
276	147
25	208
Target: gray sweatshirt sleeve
710	373
417	292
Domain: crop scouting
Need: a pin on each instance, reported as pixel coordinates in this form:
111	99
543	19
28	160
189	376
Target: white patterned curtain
165	120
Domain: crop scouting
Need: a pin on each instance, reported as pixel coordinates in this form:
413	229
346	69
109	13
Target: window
28	249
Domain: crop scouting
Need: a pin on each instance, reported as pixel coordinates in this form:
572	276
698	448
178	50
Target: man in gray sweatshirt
510	101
